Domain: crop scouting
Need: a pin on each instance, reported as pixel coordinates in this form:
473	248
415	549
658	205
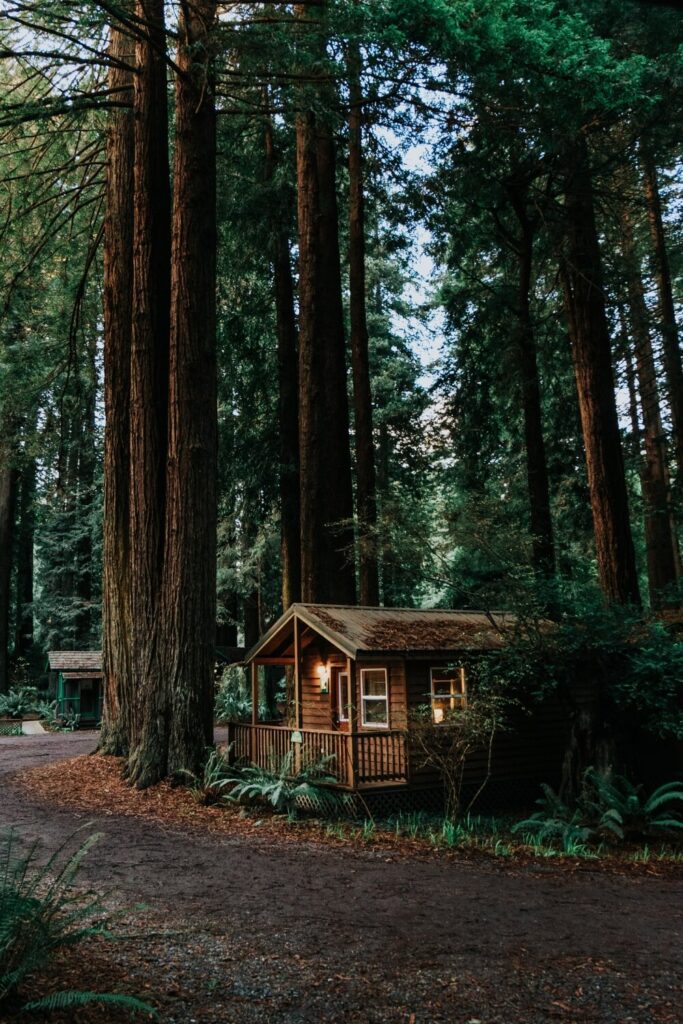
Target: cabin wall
531	751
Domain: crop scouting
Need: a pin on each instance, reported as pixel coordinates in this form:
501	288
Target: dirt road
310	934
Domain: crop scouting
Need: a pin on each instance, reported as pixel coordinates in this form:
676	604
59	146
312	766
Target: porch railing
360	758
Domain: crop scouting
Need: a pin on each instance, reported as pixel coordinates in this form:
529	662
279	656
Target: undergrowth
42	914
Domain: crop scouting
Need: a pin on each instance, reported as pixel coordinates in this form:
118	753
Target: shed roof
74	661
362	630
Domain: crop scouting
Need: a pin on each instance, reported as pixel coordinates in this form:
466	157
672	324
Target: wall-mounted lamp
324	677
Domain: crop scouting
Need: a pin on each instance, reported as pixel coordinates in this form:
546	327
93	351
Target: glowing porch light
324	677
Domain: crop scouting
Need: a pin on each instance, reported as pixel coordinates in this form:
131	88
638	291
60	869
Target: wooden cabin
76	682
352	676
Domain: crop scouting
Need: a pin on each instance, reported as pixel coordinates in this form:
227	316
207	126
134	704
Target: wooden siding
530	751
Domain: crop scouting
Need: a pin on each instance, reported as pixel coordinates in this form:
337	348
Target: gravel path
316	934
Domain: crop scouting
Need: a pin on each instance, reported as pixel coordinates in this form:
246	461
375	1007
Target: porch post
297	677
352	738
254	712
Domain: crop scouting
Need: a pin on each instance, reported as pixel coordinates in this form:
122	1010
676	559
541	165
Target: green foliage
609	808
286	787
233	696
209	788
42	913
24	700
73	1000
445	746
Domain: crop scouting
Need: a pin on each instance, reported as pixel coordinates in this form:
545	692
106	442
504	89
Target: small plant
608	808
20	701
209	788
447	744
287	786
41	914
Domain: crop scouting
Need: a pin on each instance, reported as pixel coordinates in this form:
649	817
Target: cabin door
340	698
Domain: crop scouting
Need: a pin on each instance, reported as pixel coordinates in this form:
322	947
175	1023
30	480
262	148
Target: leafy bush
609	807
284	788
209	787
41	914
233	698
22	700
446	745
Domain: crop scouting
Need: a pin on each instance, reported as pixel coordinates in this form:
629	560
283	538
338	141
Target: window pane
374	683
375	712
442	687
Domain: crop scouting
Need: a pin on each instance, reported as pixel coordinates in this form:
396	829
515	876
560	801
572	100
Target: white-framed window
374	698
448	692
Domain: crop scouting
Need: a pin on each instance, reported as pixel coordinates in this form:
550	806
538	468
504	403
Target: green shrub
22	700
284	788
209	788
41	913
608	808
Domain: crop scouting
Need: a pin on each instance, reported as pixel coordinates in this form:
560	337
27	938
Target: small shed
353	674
76	681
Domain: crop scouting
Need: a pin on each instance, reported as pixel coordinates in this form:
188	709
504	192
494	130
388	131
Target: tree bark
8	490
339	497
190	583
587	321
327	558
149	725
661	542
314	563
670	347
118	318
366	485
288	391
543	549
23	636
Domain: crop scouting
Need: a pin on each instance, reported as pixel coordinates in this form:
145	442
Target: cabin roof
358	630
74	661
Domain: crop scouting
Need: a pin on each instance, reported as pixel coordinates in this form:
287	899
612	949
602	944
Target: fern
41	913
284	788
609	807
70	1000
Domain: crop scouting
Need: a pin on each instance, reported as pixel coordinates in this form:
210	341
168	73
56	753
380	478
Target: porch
362	760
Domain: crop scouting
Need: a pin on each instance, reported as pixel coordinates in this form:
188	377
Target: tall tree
8	486
149	726
667	313
288	385
190	551
661	541
585	300
118	322
366	496
327	562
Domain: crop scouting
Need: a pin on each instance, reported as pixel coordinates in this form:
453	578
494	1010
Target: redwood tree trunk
118	291
312	449
8	488
288	394
149	726
327	560
670	348
338	511
190	583
23	636
366	487
543	550
583	283
660	533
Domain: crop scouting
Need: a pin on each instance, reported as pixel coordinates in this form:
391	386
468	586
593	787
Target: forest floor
241	927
